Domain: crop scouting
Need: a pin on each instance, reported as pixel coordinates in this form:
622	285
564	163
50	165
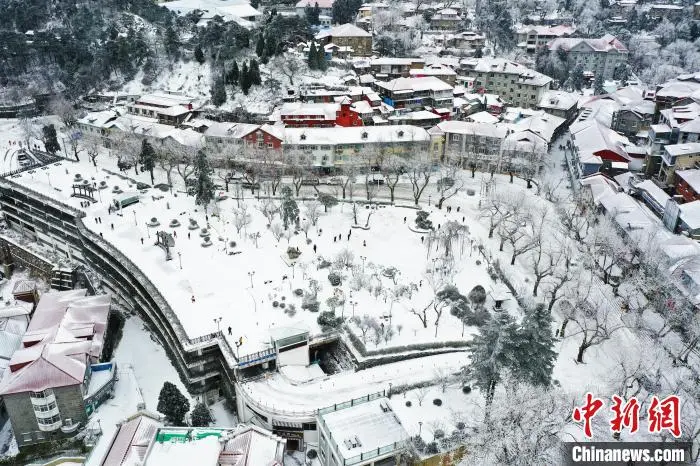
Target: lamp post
250	274
428	199
179	257
354	303
420	427
363	263
217	320
135	223
390	389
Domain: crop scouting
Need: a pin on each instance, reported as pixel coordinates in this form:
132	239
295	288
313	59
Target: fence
353	402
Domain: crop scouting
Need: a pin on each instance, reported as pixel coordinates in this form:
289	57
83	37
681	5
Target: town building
391	68
238	11
599	56
687	184
634	118
415	93
678	91
442	72
358	41
659	11
325	7
559	103
364	434
311	115
514	83
469	41
447	19
143	440
532	38
594	143
678	157
167	108
55	379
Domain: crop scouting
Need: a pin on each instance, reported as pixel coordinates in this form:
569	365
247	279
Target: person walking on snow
192	299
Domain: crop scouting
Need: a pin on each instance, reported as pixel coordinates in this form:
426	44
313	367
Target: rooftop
680	150
501	65
691	177
370	426
607	43
355	135
344	30
426	83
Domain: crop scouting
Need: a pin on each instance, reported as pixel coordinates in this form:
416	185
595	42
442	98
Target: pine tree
312	14
492	352
50	139
171	42
244	78
270	46
204	186
535	342
173	404
312	59
147	158
260	46
598	85
201	417
577	77
199	55
321	61
218	92
290	209
233	74
254	71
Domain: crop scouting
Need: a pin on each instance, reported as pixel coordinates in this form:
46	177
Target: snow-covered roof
502	65
66	329
395	61
354	135
227	9
482	117
607	43
433	70
590	137
130	442
656	193
327	111
690	214
344	30
691	177
541	123
473	128
229	130
164	100
373	426
325	4
681	150
419	115
558	100
426	83
548	31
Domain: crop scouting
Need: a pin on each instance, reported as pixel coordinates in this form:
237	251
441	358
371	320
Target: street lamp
389	389
217	320
135	223
354	303
250	274
363	263
179	257
420	427
428	199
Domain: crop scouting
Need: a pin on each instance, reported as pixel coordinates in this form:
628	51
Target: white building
364	434
599	56
238	11
326	7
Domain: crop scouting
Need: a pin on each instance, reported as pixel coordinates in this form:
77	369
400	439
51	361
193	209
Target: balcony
50	427
46	414
44	400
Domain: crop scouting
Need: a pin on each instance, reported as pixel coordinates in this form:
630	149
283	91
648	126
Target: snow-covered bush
328	321
312	454
324	264
438	402
408	404
422	221
431	448
299	292
275	303
477	296
439	433
311	305
293	253
334	278
460	425
419	443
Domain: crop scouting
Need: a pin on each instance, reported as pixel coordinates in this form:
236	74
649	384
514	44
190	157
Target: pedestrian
96	220
101	235
174	234
462	219
192	299
438	226
112	226
420	284
314	249
364	243
348	236
207	217
229	330
334	239
404	220
422	238
141	240
188	235
349	233
457	208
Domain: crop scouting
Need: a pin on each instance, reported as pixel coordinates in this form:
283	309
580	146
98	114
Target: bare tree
364	324
449	184
422	314
391	168
595	322
288	65
312	210
277	230
345	258
269	209
421	393
186	166
419	175
92	145
305	226
64	109
348	180
241	218
611	251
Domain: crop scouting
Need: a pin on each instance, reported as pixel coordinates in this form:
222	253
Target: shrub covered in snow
437	402
408	404
293	253
477	295
311	306
324	264
312	454
422	221
439	433
431	448
275	303
201	417
466	389
334	278
299	292
329	321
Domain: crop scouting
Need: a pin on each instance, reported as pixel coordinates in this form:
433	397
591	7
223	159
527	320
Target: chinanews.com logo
662	416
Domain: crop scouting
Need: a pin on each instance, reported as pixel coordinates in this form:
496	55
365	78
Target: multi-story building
169	108
415	93
677	157
467	41
310	115
445	73
683	122
516	84
599	56
672	12
532	38
633	118
357	42
55	379
447	19
325	7
390	67
688	184
363	434
559	103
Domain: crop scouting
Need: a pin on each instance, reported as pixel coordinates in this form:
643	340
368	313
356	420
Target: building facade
357	40
599	56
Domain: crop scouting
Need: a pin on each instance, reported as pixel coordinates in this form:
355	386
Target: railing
392	447
254	358
44	198
353	402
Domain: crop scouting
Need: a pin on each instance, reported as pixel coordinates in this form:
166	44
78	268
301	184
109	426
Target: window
308	426
261	144
44	408
49	420
269	145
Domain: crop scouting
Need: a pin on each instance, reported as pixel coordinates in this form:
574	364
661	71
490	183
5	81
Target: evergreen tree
535	353
260	46
321	62
244	78
254	71
233	74
344	11
199	55
173	404
271	46
147	158
201	417
598	85
290	209
204	186
312	14
577	77
218	92
171	42
492	352
50	139
312	59
255	3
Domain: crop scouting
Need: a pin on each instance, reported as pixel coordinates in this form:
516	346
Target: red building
688	184
319	115
266	136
